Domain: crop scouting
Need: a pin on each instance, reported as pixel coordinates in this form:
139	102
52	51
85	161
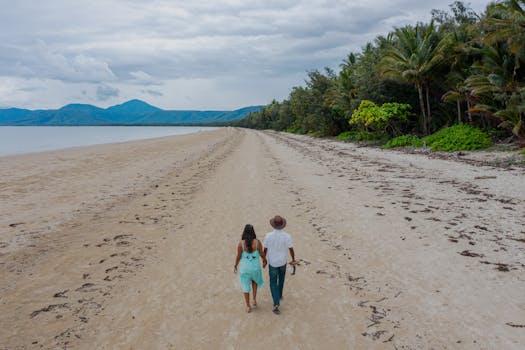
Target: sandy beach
132	246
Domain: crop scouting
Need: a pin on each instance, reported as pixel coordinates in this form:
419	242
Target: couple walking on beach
276	246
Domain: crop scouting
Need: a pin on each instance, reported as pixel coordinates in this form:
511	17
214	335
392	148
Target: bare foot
248	309
255	303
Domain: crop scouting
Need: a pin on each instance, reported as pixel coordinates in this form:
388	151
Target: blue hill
133	106
13	115
133	112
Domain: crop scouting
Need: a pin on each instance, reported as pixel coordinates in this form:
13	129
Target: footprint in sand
61	294
49	308
87	287
111	269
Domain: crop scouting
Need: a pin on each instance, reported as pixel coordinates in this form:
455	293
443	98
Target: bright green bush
360	135
386	118
367	114
460	137
404	141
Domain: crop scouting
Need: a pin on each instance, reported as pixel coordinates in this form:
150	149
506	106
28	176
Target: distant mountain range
134	112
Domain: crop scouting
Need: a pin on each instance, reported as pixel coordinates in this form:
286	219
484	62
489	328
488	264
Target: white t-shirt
277	242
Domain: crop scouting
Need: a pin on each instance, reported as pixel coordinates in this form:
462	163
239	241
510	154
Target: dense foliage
387	119
462	67
404	141
362	135
460	137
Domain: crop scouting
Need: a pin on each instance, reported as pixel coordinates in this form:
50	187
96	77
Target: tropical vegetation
458	137
462	70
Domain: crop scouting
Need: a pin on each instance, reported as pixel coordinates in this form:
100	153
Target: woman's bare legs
254	289
247	300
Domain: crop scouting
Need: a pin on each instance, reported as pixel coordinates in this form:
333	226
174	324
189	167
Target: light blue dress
250	269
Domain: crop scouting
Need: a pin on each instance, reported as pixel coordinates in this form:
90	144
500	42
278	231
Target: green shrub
295	130
360	135
386	118
367	114
404	141
345	136
460	137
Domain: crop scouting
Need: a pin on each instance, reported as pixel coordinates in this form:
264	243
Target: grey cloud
136	44
77	67
105	92
155	93
142	78
31	88
41	61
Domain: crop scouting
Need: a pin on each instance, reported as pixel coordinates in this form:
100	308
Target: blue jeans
277	282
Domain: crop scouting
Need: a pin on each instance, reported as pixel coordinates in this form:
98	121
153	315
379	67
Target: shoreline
89	143
105	246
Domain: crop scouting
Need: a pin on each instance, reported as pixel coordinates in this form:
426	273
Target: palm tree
349	62
499	78
412	59
343	91
459	49
505	22
458	92
493	83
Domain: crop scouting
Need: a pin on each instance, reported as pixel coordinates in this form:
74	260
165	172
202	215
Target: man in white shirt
277	244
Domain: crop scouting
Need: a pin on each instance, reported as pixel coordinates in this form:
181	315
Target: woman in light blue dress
249	250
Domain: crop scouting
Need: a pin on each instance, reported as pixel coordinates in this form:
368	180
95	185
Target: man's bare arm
292	254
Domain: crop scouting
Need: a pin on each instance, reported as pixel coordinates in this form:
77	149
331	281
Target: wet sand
132	245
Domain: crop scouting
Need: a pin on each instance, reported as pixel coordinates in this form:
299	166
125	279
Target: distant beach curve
29	139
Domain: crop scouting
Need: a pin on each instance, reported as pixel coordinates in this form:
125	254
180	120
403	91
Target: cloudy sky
191	54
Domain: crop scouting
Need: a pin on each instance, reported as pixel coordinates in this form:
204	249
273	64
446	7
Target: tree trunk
468	110
429	116
458	103
422	106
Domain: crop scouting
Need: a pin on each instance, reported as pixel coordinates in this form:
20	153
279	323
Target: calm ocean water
29	139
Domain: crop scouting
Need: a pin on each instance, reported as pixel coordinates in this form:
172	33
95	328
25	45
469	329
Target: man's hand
293	262
235	269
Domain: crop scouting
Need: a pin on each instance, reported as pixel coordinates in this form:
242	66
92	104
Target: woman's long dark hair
248	235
